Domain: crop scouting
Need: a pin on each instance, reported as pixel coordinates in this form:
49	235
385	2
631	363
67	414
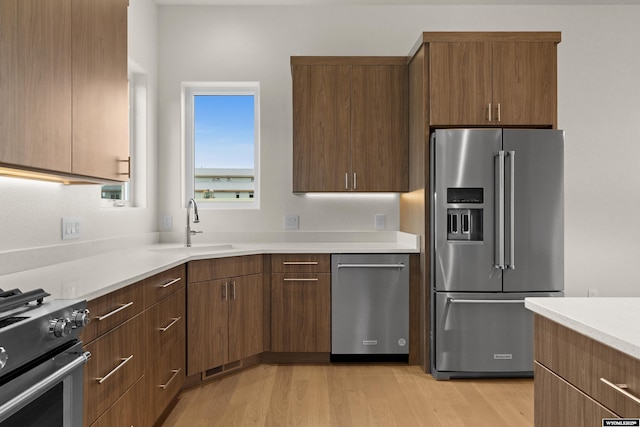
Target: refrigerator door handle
512	255
484	301
498	261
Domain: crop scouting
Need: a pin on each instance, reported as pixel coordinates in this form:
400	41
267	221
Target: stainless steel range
41	359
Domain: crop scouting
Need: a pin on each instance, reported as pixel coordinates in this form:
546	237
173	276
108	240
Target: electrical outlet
70	228
167	222
291	222
379	221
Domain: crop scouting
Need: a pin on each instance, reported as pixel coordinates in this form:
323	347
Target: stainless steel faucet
196	219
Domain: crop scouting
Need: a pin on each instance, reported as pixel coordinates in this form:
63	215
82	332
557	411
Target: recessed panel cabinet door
321	114
100	89
379	128
460	83
35	83
524	83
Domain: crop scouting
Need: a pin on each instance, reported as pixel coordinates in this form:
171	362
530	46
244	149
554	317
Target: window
222	144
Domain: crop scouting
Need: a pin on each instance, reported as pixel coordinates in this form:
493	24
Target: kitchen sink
182	249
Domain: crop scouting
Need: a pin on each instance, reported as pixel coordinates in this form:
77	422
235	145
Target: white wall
31	211
599	107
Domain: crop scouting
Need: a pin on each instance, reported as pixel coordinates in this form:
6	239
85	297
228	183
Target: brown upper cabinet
350	124
64	88
492	79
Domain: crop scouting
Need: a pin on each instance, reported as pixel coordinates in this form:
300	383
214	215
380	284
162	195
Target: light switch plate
70	228
291	222
379	221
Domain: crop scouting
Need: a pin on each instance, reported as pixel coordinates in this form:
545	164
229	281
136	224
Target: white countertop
611	321
97	275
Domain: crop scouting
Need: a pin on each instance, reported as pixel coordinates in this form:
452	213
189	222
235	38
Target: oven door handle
26	396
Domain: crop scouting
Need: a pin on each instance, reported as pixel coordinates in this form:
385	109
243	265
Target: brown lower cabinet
137	346
579	380
225	312
560	404
301	303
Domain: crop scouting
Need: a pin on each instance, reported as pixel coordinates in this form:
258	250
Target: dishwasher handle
399	265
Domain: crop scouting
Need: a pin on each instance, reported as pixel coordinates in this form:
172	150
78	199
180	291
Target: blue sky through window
224	131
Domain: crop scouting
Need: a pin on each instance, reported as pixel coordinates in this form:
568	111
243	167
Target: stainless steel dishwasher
369	304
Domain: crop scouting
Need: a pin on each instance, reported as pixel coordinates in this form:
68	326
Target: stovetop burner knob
80	318
60	327
3	357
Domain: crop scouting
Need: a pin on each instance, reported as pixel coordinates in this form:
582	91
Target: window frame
189	91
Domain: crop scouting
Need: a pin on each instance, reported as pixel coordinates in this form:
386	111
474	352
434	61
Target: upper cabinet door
379	128
100	89
525	83
496	82
460	83
321	114
35	83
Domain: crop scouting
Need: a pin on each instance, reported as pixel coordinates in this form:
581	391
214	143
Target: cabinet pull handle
113	371
355	181
128	162
224	291
233	290
175	374
489	111
498	112
620	388
300	263
111	313
171	282
174	321
308	279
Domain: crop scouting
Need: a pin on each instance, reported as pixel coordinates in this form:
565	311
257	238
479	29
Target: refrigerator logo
503	356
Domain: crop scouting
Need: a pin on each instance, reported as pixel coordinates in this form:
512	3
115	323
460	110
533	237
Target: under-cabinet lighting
352	195
48	177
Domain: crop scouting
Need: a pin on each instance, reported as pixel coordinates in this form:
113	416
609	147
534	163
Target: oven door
47	394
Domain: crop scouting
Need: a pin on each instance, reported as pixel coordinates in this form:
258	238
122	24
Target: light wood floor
353	395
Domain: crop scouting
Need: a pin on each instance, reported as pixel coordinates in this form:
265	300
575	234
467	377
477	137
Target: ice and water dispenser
464	224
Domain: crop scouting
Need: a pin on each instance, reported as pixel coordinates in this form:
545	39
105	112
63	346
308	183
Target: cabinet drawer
165	325
163	381
221	268
126	411
301	263
111	310
163	284
117	361
583	361
559	404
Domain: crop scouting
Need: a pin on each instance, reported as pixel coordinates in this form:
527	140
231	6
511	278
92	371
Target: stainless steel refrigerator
497	236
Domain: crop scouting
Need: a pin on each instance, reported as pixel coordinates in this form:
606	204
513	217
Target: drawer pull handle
175	374
122	307
124	362
315	279
171	282
300	263
620	388
174	321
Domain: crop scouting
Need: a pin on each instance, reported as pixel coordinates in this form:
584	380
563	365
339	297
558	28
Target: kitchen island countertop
94	276
613	321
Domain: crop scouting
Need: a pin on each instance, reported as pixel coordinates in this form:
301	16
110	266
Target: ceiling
393	2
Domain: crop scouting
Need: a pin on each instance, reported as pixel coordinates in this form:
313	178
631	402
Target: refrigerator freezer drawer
483	334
